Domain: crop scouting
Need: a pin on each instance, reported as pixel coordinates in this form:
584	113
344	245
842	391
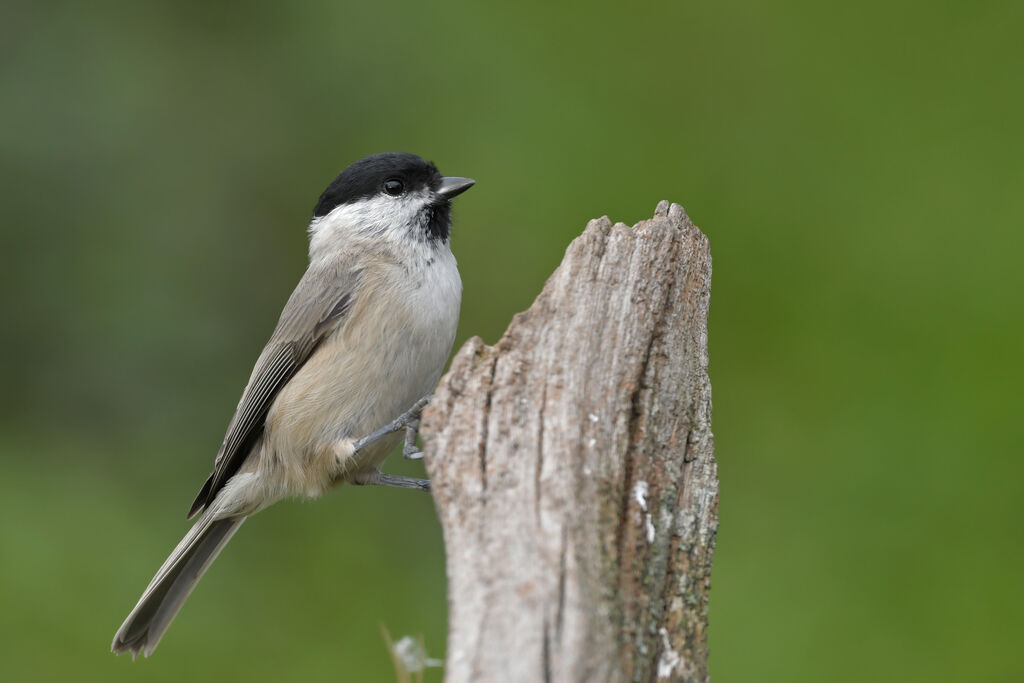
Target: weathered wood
573	469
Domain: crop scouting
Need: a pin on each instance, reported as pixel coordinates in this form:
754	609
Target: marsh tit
364	336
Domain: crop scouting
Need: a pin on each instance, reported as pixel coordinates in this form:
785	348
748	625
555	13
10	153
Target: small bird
361	342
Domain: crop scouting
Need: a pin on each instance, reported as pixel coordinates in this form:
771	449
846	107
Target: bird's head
391	196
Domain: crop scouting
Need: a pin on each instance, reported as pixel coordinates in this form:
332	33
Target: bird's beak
452	187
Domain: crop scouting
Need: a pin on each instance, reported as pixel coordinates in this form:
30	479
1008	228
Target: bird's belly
361	377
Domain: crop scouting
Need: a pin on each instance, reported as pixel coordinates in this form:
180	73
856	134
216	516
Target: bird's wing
318	305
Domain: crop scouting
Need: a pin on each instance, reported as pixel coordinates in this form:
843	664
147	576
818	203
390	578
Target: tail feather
166	593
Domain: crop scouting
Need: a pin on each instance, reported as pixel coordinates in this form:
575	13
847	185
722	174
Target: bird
359	345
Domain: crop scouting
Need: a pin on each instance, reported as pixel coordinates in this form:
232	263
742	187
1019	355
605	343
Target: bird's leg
410	422
377	478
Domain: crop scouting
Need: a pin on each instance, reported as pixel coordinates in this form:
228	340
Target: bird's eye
394	187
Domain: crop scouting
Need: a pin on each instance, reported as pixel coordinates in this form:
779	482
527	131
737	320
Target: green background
857	167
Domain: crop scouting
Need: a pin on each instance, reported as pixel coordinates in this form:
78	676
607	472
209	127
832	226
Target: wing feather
318	305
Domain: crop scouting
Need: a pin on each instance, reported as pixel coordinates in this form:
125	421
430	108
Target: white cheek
379	216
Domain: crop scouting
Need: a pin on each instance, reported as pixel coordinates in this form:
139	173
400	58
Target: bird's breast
388	352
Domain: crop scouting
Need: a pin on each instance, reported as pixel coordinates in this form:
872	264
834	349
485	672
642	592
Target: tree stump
573	469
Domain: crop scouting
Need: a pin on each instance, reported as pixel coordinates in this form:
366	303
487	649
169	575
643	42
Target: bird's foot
378	478
409	449
409	421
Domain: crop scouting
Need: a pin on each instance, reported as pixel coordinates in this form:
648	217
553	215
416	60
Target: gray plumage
365	334
314	309
174	582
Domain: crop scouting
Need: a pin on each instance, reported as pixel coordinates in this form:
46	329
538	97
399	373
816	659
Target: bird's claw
409	450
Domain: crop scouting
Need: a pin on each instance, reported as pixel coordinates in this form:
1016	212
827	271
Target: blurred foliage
857	166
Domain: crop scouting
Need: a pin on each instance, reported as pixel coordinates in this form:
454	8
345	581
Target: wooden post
573	470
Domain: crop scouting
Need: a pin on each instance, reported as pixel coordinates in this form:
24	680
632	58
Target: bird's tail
166	593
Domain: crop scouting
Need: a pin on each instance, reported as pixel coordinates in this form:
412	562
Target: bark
573	469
